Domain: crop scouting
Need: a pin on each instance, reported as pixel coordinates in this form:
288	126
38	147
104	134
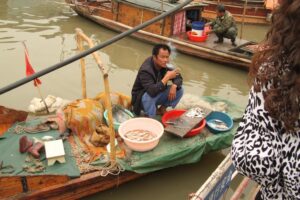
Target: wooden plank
10	116
129	15
155	27
10	186
218	182
168	27
4	128
101	12
181	125
61	187
115	11
44	181
80	187
247	19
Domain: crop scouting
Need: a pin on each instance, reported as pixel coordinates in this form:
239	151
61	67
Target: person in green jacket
224	25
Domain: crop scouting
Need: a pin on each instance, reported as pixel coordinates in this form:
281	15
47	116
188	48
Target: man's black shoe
233	42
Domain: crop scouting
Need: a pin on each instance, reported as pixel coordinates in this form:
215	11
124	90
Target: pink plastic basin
149	124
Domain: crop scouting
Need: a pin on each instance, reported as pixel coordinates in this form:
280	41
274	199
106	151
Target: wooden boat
60	187
51	186
124	14
255	12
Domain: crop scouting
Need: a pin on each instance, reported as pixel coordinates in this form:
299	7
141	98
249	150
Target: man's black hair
157	47
221	8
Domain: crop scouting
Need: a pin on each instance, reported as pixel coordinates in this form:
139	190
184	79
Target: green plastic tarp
172	151
10	155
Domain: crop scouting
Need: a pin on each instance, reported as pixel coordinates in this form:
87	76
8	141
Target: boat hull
60	187
181	46
254	13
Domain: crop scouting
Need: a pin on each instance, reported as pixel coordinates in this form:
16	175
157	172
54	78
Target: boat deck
209	43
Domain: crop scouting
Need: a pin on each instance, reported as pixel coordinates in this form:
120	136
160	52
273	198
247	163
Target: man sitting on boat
151	88
224	25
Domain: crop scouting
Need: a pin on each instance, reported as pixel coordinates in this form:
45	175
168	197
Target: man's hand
208	31
208	24
170	75
172	93
207	28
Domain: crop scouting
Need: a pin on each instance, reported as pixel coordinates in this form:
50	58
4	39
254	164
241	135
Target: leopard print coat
263	151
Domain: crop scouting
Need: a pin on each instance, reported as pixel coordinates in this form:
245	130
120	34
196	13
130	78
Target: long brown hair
278	64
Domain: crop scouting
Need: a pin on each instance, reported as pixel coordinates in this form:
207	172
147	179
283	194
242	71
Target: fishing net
82	116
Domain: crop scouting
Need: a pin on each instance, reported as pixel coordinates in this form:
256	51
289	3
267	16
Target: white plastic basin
148	124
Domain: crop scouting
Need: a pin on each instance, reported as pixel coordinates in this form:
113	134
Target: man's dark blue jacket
148	80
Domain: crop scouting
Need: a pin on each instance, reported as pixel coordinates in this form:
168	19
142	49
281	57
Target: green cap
220	8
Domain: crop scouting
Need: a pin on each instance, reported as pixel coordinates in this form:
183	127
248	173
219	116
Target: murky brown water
48	29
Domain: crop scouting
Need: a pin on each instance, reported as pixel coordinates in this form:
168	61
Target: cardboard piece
55	151
180	126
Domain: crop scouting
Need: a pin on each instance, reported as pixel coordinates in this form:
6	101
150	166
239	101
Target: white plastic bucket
198	32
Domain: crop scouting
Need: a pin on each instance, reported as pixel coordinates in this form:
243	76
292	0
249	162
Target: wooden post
110	119
82	63
243	18
91	45
40	93
162	22
115	10
107	94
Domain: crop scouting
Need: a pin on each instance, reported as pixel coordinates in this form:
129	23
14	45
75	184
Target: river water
48	29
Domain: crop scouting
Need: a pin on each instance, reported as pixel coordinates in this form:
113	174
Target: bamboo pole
80	33
40	93
35	80
241	188
82	63
254	192
205	189
110	119
243	18
91	45
63	63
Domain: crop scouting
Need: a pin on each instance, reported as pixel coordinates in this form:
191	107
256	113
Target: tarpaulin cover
10	155
172	151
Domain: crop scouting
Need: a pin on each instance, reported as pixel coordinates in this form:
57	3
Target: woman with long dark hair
266	147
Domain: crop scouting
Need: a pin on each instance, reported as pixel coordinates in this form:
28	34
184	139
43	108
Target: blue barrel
198	25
